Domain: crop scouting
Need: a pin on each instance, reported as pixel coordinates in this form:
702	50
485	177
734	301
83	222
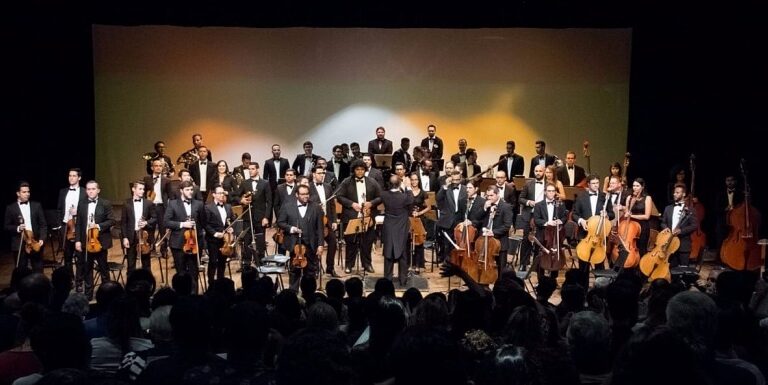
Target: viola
698	238
228	248
299	258
30	243
94	246
740	250
628	231
279	236
592	249
190	241
486	248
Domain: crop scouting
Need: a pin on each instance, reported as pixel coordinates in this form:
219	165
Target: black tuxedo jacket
434	184
261	204
175	214
518	165
344	170
270	173
36	215
281	195
298	164
311	225
582	209
456	158
386	147
476	212
446	205
578	174
175	192
688	224
128	218
212	221
210	174
437	147
475	167
541	217
165	187
549	160
510	195
721	201
502	221
403	157
331	179
527	194
102	216
63	201
347	195
330	205
376	175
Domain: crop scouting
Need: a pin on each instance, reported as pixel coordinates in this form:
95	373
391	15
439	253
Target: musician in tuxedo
339	165
275	168
475	207
241	173
418	158
255	192
682	221
470	168
433	144
542	158
402	155
725	200
512	164
203	172
354	147
359	197
304	162
441	180
321	194
507	191
330	176
452	206
588	204
499	226
138	214
25	215
95	212
193	154
571	174
428	180
396	229
68	203
217	220
284	191
372	172
159	154
175	190
302	223
157	191
461	156
532	192
182	215
380	145
550	212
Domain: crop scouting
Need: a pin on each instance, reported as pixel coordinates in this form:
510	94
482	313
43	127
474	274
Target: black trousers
362	242
679	258
130	255
216	262
310	270
248	252
33	259
402	268
186	263
445	246
330	250
85	265
160	215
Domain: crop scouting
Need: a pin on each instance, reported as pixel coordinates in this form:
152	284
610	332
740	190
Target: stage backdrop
244	89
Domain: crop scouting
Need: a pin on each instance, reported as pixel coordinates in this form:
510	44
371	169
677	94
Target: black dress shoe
348	271
369	269
333	274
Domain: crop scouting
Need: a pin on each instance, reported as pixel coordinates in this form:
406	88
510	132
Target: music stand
356	227
571	192
520	182
485	183
383	161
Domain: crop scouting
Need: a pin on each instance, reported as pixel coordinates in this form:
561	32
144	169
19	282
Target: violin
628	232
228	248
30	243
592	249
93	246
190	240
698	238
144	246
299	258
486	247
71	226
740	250
279	236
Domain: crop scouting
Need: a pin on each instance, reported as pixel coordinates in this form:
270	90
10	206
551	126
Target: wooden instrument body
740	250
419	232
655	263
464	256
629	231
486	248
190	241
144	246
30	242
71	228
592	248
93	246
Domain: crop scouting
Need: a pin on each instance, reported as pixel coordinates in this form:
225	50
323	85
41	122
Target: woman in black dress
640	205
418	209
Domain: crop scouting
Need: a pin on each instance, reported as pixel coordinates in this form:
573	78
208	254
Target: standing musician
304	162
321	194
396	228
640	205
512	164
615	170
284	191
549	212
223	178
502	221
402	155
380	145
428	179
470	167
159	154
418	159
241	173
441	180
452	207
541	159
181	215
218	217
25	215
157	189
418	209
461	156
193	154
96	213
725	200
340	166
533	192
588	204
433	144
255	192
138	214
303	224
475	207
356	153
571	174
682	221
274	168
69	201
507	191
330	176
359	196
371	172
203	172
175	192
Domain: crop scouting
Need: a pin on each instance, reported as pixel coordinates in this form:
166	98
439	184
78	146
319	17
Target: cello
628	231
655	263
592	249
551	257
740	250
485	247
463	255
698	238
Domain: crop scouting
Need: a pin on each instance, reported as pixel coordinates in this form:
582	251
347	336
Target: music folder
383	160
571	192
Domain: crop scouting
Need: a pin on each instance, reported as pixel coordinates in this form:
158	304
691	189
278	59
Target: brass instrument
150	156
188	158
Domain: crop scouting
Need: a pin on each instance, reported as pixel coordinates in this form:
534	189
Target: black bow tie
424	173
570	168
137	200
203	163
731	191
73	189
187	202
220	204
359	180
91	200
470	200
23	203
678	204
318	184
593	194
289	186
302	205
551	202
539	182
455	187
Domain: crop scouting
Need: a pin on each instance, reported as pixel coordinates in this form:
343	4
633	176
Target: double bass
592	249
740	250
584	182
698	238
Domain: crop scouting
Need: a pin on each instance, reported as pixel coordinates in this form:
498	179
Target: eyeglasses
551	190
